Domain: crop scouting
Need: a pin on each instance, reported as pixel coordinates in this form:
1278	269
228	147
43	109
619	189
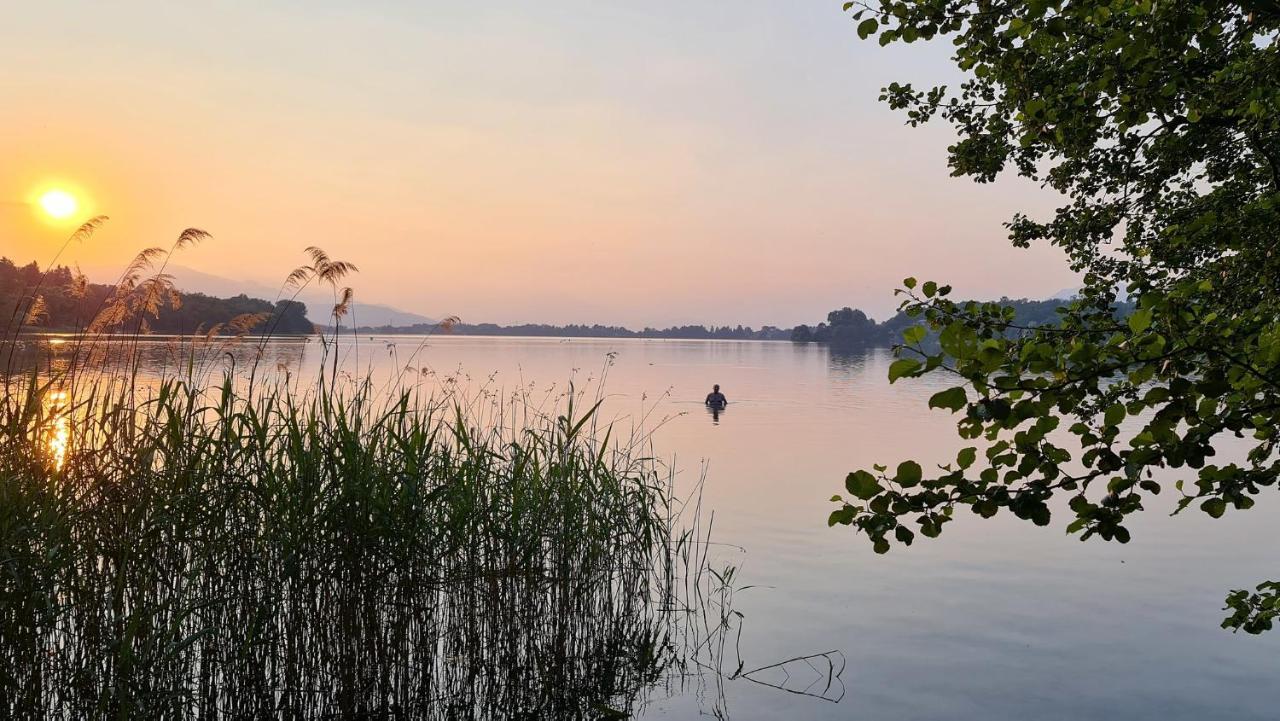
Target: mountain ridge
319	306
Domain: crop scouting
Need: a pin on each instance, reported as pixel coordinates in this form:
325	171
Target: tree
68	301
1159	124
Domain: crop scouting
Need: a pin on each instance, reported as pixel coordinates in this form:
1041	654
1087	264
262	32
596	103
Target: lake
995	619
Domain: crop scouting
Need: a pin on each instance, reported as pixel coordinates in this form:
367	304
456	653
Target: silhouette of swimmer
716	399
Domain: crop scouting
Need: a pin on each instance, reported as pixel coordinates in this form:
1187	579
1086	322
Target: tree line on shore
67	301
60	299
711	332
844	328
851	327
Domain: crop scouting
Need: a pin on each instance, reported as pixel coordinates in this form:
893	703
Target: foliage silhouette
70	303
1159	123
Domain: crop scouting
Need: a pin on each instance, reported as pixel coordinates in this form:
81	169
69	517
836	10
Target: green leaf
1214	507
867	28
957	340
903	367
914	334
1140	320
952	399
909	474
904	535
863	485
1040	514
966	457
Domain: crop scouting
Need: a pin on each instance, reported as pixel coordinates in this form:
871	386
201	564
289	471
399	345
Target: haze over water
997	619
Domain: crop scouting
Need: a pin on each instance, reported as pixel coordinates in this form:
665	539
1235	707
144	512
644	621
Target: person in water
716	399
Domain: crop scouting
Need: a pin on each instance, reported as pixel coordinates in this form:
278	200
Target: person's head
716	388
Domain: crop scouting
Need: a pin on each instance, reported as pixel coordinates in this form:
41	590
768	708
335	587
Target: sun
58	204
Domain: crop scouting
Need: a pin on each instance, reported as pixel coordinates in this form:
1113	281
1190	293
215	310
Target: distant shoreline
37	332
538	330
362	335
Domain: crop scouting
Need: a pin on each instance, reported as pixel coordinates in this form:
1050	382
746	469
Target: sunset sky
637	163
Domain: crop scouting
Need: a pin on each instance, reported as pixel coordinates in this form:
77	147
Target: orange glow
58	434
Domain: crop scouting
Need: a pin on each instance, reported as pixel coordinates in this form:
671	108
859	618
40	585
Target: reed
195	551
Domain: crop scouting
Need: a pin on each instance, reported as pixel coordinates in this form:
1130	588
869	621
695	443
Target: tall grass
191	552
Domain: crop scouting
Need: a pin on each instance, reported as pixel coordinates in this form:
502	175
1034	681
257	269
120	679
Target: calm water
996	619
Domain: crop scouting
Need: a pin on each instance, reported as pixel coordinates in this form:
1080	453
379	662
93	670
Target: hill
319	303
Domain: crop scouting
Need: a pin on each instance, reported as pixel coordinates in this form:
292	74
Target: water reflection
715	411
58	426
850	360
191	357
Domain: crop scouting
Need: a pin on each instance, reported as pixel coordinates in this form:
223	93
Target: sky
596	161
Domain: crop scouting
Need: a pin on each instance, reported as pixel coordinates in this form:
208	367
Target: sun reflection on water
58	432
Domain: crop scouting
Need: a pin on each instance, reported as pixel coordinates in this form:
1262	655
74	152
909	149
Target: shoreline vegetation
536	330
66	303
844	327
67	297
849	327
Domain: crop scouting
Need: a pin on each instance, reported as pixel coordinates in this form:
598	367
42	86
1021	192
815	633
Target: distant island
849	327
61	300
